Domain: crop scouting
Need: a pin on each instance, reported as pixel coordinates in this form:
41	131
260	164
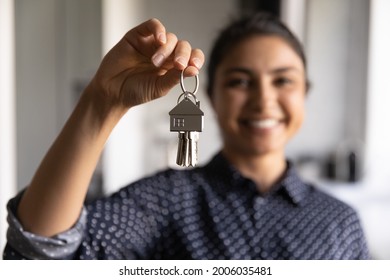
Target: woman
247	203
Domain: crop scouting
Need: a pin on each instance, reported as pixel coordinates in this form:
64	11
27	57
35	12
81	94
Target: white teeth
267	123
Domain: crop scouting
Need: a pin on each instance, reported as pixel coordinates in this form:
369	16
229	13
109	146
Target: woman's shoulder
330	204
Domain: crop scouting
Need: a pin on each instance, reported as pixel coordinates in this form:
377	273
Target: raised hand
145	65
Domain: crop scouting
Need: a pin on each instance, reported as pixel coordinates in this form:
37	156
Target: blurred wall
336	43
36	98
58	48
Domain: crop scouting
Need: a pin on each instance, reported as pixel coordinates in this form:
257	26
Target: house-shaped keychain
186	116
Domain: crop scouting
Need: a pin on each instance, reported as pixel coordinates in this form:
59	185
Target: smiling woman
258	96
248	202
257	84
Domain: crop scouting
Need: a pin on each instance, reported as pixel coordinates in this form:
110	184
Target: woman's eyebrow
279	70
242	70
276	70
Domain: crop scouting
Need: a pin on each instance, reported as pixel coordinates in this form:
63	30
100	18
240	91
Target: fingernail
197	62
181	61
158	60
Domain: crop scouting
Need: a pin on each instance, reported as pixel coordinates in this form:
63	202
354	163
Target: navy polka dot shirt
210	212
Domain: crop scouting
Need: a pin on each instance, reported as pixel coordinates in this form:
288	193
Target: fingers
146	37
152	27
150	45
163	48
195	62
180	53
165	51
197	59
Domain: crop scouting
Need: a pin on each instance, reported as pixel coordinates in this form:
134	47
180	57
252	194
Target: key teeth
194	147
187	150
179	150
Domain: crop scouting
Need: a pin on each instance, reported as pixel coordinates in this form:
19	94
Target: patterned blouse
209	212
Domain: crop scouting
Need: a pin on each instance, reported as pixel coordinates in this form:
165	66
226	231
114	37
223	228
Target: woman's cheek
297	108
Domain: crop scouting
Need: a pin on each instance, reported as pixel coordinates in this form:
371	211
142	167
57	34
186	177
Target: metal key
187	119
186	151
183	150
193	147
180	149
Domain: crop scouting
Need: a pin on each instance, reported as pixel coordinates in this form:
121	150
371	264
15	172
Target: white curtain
7	112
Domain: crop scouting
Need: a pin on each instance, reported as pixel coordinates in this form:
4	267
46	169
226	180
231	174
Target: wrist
104	110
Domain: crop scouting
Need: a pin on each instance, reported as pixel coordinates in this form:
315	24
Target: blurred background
49	50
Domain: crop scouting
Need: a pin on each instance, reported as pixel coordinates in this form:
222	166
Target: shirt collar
226	178
292	185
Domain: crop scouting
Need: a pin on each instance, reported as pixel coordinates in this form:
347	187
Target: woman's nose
262	95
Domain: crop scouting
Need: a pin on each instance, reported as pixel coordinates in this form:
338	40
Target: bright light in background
7	112
378	129
123	154
293	14
378	92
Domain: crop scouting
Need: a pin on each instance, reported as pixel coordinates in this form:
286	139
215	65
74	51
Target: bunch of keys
187	119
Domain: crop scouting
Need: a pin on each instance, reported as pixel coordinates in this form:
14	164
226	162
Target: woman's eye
282	81
235	83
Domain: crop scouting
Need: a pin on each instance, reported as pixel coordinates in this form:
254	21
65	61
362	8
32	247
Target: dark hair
256	24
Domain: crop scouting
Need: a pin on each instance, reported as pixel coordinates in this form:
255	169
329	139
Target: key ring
186	94
182	83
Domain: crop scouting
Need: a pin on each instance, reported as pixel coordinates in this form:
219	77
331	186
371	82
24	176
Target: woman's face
259	96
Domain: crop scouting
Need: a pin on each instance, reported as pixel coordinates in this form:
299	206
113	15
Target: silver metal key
180	150
187	149
193	149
